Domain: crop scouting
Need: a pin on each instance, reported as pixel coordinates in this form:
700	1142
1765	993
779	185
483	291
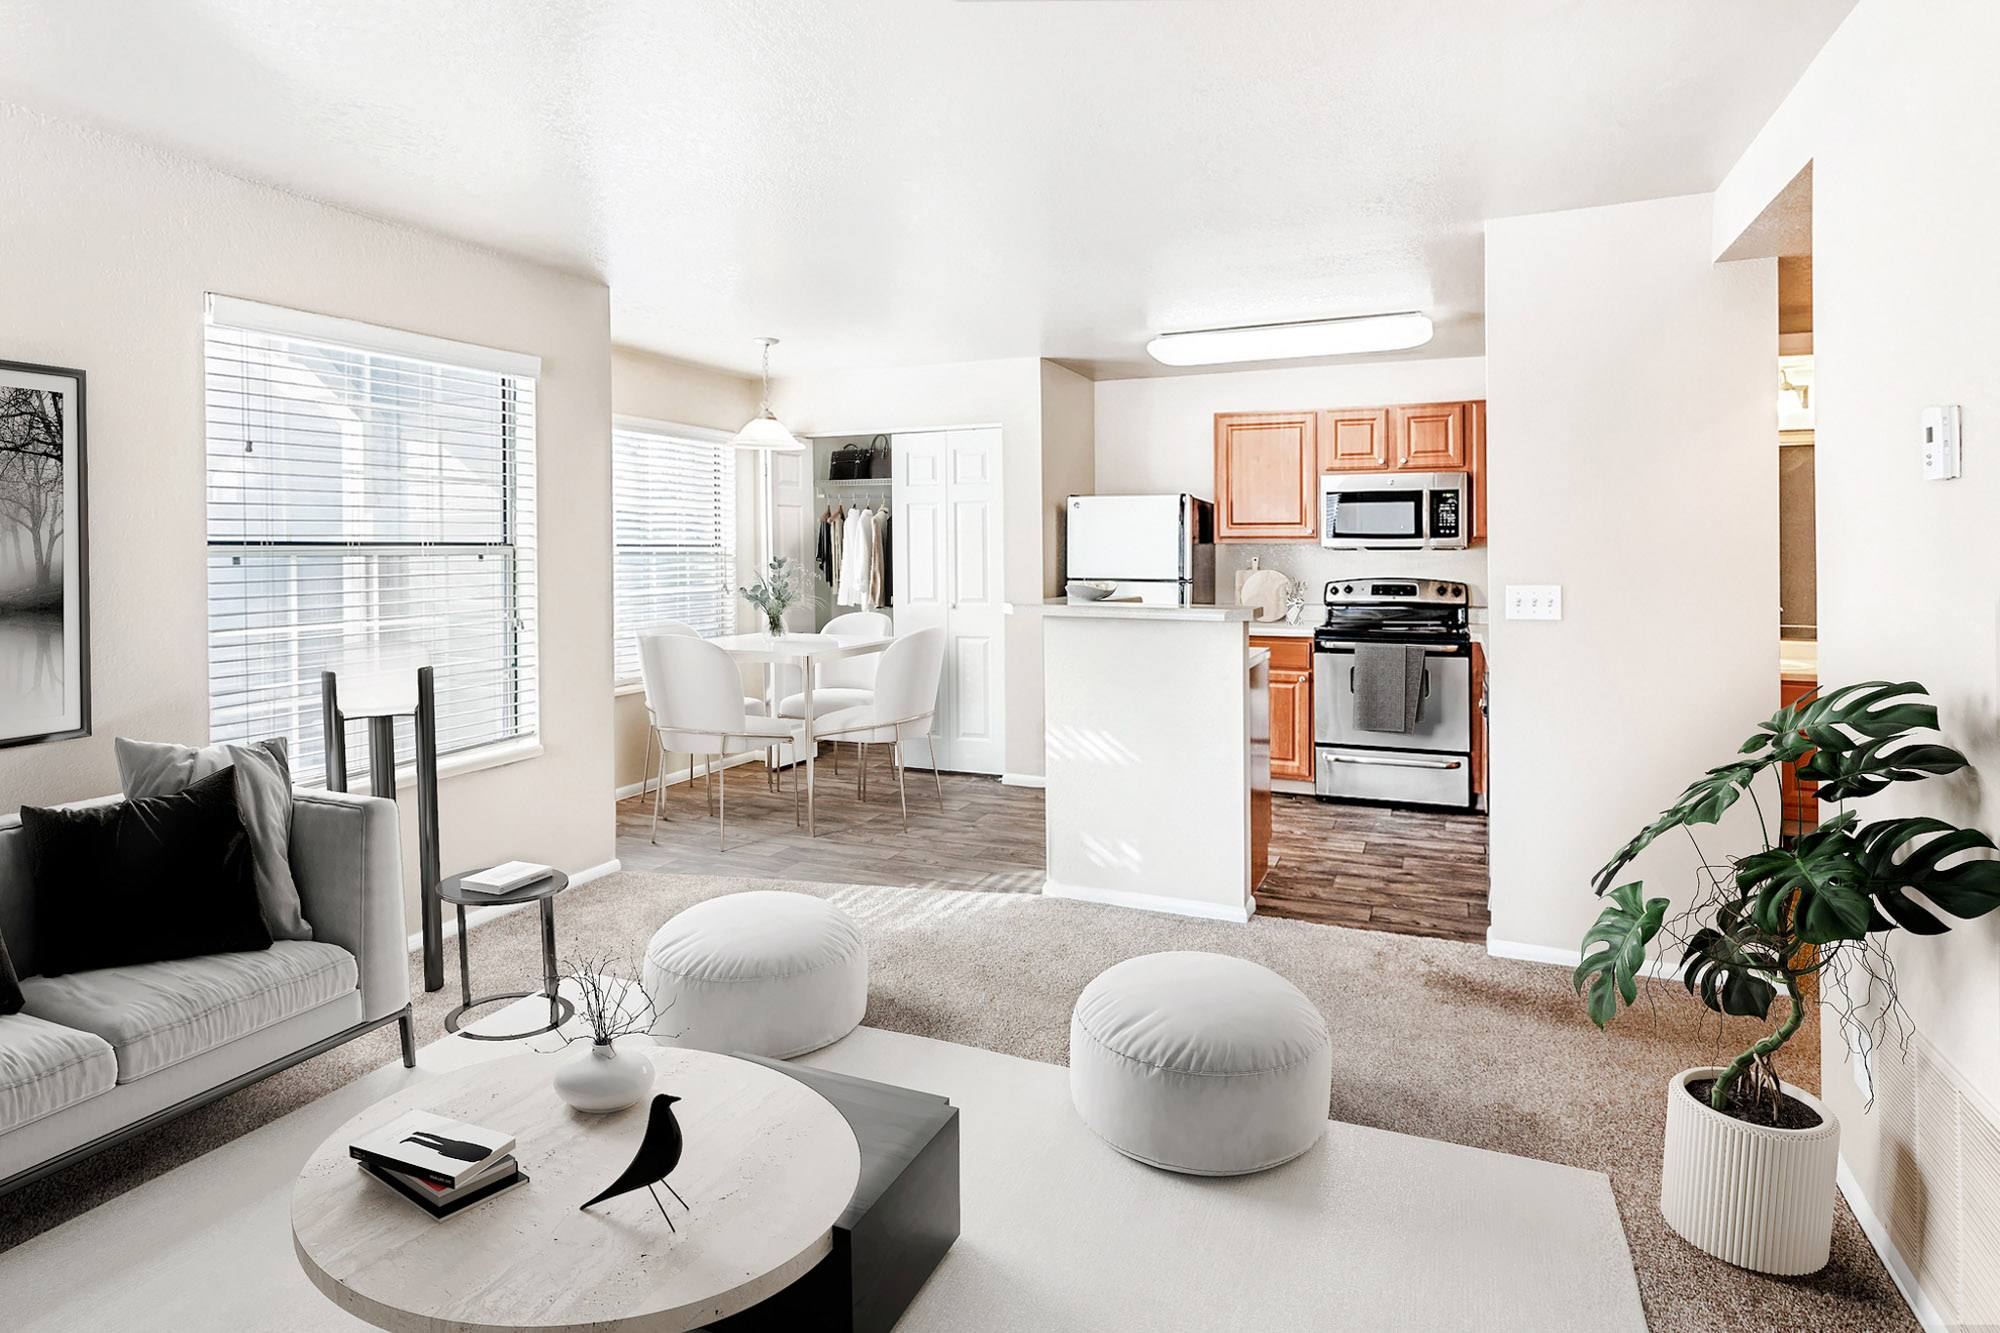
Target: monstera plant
1814	903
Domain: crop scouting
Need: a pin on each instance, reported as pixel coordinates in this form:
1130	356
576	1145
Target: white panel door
975	627
946	542
919	526
793	533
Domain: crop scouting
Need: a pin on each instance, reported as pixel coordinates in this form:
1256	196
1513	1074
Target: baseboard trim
1566	958
631	789
479	916
1145	902
1892	1259
1023	780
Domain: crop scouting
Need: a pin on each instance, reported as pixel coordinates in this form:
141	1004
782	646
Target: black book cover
444	1210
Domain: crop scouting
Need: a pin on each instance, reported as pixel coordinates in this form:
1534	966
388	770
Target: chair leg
900	798
798	806
930	743
659	789
721	803
406	1026
646	769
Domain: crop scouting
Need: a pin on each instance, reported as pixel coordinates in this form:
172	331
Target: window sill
625	687
498	755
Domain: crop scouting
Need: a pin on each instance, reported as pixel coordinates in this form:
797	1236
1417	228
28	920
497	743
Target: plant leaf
1614	949
1891	862
1728	968
1811	890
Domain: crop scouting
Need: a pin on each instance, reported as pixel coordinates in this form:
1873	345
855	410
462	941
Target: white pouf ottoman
775	974
1200	1063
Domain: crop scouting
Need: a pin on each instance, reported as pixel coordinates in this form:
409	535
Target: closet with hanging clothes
854	544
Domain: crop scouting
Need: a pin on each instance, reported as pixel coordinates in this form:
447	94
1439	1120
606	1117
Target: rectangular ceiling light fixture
1286	342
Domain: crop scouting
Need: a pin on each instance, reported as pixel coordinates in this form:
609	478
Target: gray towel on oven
1388	686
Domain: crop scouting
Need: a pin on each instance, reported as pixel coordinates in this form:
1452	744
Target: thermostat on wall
1941	446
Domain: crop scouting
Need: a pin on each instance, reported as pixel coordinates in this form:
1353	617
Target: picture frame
44	556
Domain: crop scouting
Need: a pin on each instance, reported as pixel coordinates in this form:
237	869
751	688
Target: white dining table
803	651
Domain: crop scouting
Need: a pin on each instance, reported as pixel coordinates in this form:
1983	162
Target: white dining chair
847	682
705	713
904	707
751	704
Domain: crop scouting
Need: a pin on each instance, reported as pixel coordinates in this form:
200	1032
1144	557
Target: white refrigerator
1156	549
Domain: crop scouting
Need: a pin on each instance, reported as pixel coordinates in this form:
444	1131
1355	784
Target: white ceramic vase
600	1077
1754	1196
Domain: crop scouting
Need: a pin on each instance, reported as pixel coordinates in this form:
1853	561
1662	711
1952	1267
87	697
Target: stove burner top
1396	610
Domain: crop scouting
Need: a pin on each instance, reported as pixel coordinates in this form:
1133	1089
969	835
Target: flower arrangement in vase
783	584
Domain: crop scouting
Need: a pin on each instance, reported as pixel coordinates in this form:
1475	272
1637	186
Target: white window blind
364	501
673	514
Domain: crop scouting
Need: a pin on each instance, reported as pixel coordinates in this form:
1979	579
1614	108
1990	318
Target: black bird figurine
659	1153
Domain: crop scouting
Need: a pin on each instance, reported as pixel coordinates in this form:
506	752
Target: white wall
1900	117
104	261
976	393
660	388
1632	451
1158	435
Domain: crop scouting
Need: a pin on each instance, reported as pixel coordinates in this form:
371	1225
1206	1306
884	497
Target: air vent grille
1941	1171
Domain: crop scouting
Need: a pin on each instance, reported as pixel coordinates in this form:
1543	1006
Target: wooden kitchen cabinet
1266	475
1291	706
1354	440
1430	437
1267	464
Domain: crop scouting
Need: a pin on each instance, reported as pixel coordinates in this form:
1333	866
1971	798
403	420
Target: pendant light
765	431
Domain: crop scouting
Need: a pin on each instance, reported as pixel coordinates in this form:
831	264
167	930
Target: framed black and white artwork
44	575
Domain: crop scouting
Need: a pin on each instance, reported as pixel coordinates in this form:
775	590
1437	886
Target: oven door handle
1386	761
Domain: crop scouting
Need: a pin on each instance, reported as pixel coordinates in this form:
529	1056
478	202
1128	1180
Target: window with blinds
366	501
673	515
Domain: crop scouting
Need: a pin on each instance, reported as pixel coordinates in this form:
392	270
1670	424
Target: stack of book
437	1164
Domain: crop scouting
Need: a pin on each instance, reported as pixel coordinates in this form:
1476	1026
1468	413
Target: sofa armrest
347	858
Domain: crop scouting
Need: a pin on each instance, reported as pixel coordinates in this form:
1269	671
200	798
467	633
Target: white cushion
1200	1063
825	700
754	707
45	1068
767	973
159	1014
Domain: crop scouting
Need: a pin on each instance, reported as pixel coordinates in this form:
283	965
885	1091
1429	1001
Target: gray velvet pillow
263	797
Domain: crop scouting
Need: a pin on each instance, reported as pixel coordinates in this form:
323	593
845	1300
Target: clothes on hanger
857	559
876	570
823	546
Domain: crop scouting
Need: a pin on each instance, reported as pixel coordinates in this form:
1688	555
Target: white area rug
1368	1231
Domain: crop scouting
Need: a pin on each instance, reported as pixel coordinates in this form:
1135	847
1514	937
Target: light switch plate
1942	458
1534	601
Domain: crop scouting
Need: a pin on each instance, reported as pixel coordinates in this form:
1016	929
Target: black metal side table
454	890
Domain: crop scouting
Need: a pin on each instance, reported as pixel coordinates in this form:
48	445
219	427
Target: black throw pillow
11	999
143	881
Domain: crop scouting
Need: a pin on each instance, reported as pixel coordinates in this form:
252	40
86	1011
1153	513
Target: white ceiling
908	181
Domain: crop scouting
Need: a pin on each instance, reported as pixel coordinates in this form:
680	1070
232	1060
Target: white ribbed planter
1757	1197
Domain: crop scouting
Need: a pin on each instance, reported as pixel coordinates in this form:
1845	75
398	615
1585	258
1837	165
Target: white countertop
1282	629
1139	611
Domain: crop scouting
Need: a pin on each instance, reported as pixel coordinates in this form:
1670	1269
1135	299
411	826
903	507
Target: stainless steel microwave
1394	511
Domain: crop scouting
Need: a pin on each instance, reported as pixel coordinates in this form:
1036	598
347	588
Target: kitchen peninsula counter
1159	756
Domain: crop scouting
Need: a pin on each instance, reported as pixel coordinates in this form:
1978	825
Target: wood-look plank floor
1413	873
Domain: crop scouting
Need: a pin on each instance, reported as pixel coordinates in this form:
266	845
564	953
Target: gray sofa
96	1057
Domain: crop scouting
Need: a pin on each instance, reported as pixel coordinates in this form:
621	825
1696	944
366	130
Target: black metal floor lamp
382	782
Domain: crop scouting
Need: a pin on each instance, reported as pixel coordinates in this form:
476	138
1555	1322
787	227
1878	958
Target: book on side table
438	1164
506	877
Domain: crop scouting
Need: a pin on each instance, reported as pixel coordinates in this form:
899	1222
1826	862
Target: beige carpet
1435	1039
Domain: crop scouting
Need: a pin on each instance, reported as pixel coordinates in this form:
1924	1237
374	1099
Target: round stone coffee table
768	1168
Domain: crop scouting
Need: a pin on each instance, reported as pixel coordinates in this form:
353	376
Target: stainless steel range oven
1431	762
